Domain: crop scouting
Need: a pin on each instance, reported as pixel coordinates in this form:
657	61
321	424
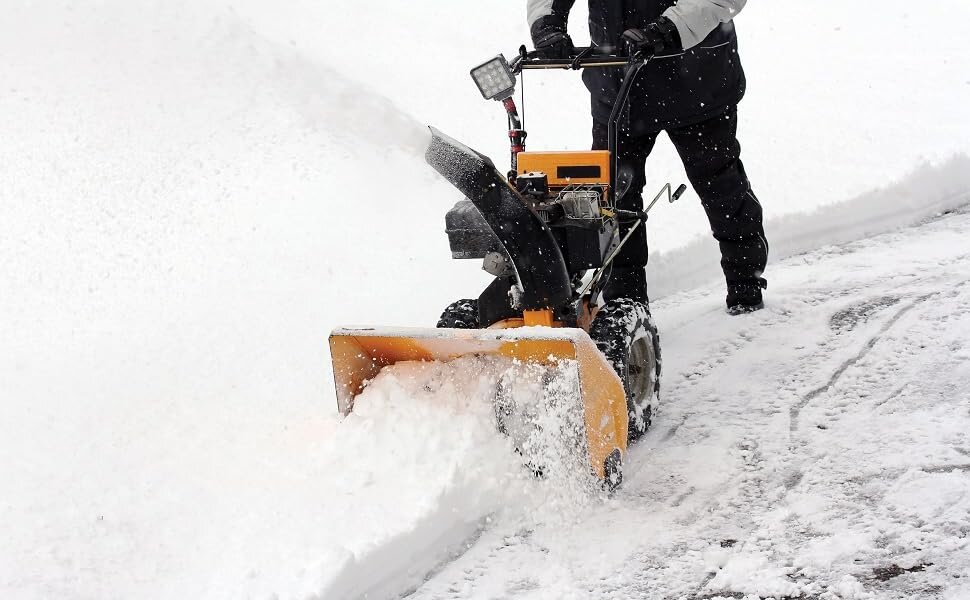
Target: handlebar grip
626	216
680	192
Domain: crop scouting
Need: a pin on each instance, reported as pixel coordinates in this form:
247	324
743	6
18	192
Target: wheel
613	471
460	314
625	333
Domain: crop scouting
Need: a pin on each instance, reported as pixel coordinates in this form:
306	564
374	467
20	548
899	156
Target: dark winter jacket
677	88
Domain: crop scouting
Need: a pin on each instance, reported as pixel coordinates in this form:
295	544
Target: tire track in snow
792	476
866	310
869	345
702	369
889	478
741	419
795	475
753	483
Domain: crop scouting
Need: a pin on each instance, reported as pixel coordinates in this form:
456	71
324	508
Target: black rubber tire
460	314
613	470
625	333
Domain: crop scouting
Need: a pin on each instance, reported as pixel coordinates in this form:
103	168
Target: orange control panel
566	168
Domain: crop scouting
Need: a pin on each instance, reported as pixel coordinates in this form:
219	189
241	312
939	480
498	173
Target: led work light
494	79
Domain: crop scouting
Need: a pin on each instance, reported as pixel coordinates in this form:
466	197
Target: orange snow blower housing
358	355
548	232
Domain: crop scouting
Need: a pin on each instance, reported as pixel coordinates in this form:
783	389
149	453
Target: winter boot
745	296
627	282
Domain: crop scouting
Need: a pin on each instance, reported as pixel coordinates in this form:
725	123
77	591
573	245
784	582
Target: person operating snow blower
690	90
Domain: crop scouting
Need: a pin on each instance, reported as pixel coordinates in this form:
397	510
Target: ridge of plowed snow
925	193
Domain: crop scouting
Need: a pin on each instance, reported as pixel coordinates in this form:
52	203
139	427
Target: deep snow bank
926	192
178	237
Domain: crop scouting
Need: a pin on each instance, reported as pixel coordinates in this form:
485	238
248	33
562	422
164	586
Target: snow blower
548	232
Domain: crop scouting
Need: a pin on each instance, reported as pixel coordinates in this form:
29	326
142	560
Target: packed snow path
816	449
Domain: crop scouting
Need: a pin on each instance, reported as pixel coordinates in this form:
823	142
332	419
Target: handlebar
592	56
586	57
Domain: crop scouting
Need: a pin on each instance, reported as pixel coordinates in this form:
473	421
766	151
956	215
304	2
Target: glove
659	36
550	38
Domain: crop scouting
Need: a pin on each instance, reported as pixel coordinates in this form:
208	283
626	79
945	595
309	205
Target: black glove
659	36
550	38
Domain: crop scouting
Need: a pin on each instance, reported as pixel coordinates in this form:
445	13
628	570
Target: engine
568	191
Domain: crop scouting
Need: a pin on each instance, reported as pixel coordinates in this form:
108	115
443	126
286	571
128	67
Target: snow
424	470
798	472
443	469
196	193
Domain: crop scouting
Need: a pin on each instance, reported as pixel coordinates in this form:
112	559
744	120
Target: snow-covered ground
195	193
809	450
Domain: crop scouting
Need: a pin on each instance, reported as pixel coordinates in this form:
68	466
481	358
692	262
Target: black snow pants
712	159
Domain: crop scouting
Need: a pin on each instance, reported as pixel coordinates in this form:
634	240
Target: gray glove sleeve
536	9
695	19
